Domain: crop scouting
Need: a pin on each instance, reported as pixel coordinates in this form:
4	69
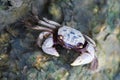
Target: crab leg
86	57
41	28
51	22
46	24
48	48
89	40
41	37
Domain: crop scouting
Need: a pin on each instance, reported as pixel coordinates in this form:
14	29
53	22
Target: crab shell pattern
67	37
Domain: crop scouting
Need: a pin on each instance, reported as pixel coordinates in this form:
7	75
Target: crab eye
60	37
79	45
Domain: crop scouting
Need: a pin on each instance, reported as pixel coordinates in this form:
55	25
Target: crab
69	38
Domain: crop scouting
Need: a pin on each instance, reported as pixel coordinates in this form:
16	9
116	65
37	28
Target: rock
12	10
22	59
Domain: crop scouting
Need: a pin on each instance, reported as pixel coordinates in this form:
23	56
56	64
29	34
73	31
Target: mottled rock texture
22	59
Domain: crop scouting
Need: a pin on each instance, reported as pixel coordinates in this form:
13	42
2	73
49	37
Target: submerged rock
22	59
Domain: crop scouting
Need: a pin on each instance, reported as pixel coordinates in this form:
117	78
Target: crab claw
85	57
48	48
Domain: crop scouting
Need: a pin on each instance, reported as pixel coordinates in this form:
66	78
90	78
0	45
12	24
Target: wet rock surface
22	59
